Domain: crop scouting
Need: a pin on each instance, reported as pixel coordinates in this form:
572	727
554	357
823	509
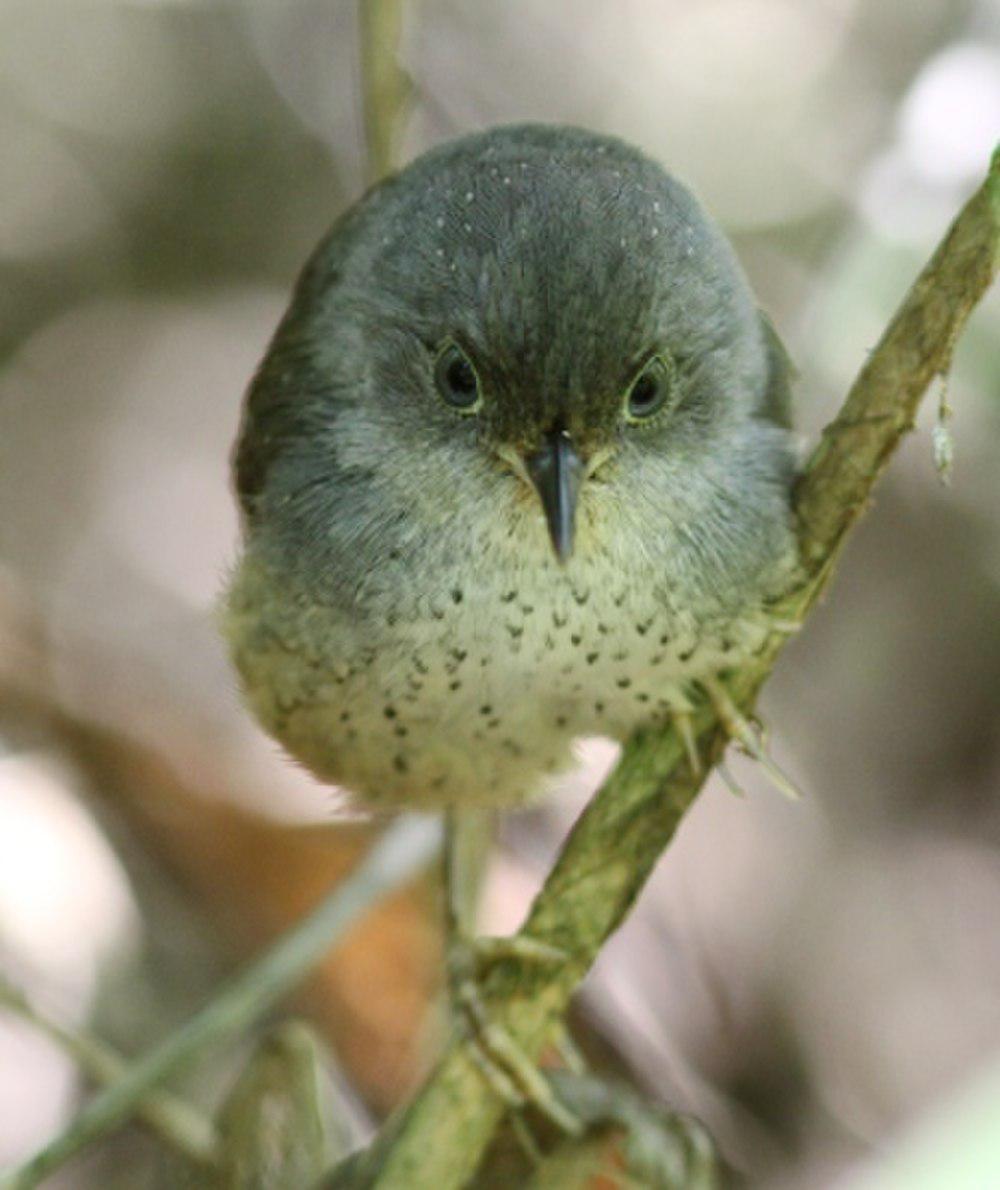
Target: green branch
181	1125
438	1141
401	853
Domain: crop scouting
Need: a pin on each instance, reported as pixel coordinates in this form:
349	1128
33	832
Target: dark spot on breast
420	666
515	630
726	645
560	721
642	696
389	712
575	638
493	723
619	599
623	683
399	763
455	685
550	643
400	731
512	747
603	629
486	709
459	655
643	628
457	595
621	655
526	609
345	716
656	659
665	639
592	657
581	597
437	613
508	597
687	654
558	620
599	707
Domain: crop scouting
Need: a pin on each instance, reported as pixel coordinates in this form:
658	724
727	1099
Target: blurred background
811	980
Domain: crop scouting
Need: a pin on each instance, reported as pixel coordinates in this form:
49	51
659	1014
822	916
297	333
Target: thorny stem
438	1141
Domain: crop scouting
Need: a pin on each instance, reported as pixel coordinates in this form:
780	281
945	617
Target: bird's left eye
456	379
651	391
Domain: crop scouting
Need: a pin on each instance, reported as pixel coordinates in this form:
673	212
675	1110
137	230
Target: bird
515	469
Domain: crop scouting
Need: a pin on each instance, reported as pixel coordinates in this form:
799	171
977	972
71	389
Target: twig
438	1142
178	1123
882	403
386	87
404	848
402	852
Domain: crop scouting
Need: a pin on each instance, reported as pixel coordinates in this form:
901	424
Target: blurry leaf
276	1125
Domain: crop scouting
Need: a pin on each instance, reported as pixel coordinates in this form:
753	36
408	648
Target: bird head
534	325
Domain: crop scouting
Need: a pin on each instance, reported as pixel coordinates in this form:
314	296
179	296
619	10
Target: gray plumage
399	617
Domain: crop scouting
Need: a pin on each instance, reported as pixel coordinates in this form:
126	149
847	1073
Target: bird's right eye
456	379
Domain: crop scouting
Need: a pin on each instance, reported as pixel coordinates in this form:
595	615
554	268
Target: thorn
746	737
685	729
762	730
511	1074
493	949
499	1081
569	1052
778	777
730	781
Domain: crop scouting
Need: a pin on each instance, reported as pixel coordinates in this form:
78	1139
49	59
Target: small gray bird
515	469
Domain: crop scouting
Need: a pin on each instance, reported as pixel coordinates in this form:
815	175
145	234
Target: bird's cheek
600	464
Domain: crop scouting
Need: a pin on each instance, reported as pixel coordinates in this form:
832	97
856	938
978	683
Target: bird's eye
651	391
456	379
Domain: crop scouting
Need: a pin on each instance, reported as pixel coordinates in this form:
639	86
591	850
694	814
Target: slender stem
402	852
178	1123
468	834
385	85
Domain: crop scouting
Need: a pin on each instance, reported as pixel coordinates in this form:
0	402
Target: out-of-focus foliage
805	979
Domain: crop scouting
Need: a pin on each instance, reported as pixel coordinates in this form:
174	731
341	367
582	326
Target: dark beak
556	472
